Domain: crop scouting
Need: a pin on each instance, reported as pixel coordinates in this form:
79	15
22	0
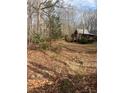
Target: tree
39	6
36	14
91	21
56	27
68	19
88	20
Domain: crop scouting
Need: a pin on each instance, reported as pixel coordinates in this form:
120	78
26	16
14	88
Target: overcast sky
80	4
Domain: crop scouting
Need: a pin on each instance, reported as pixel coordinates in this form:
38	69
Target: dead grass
71	60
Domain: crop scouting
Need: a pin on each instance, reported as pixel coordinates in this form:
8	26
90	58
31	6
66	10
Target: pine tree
55	27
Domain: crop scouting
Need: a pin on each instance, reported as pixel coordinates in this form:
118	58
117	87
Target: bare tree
36	14
88	20
91	20
68	19
39	6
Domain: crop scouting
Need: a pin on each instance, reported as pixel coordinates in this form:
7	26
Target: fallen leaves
76	61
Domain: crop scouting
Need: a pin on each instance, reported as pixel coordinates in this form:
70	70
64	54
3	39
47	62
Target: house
80	33
85	32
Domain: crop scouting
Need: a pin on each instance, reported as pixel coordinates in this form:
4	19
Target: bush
36	39
42	44
83	40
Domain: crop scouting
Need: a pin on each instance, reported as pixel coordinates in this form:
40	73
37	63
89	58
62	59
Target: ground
67	68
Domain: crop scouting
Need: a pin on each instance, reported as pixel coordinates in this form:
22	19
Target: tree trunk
38	21
29	29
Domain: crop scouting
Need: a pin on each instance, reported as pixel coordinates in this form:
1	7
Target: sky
81	4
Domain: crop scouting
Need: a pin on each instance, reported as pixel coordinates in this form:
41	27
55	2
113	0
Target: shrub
42	44
85	40
36	39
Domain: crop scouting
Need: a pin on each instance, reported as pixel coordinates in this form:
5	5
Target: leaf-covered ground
66	68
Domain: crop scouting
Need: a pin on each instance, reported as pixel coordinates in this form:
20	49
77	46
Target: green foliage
53	22
55	27
83	40
42	44
36	39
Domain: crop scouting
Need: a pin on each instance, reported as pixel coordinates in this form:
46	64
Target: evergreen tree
55	27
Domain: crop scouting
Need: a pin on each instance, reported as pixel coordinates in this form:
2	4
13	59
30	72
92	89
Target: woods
61	46
53	19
